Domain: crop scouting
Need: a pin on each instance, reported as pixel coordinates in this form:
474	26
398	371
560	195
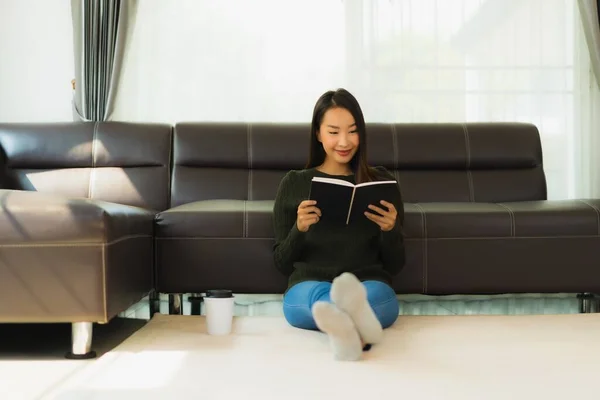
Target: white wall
36	60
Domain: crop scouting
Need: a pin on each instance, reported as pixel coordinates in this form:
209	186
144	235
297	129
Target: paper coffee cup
219	306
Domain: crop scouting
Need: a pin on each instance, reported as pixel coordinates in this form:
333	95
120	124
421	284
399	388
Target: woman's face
339	136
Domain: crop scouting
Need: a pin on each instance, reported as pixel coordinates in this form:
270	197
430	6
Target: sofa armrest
41	218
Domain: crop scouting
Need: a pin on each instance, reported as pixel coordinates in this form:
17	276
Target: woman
339	277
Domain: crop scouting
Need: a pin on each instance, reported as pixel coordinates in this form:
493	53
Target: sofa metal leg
175	304
81	341
588	303
196	304
154	303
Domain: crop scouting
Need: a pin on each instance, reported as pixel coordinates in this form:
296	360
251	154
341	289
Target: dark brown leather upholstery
79	202
477	218
76	226
120	162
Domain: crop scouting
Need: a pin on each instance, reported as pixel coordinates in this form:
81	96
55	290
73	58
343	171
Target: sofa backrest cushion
126	163
483	162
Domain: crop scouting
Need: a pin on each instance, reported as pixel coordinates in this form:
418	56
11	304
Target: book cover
342	202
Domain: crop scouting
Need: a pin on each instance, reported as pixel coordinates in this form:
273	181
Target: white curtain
269	60
405	60
36	61
587	102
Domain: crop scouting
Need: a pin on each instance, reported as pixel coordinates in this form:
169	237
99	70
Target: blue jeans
299	299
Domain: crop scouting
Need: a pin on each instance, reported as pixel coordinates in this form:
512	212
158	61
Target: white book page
333	181
375	183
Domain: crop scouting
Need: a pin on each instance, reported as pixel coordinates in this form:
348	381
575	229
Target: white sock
350	295
343	336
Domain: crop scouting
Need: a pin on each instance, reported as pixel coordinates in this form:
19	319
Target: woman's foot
350	295
344	339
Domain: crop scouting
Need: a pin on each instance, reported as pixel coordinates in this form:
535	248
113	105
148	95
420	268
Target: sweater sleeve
392	249
289	241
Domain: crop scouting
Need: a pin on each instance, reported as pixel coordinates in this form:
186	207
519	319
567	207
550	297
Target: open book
342	202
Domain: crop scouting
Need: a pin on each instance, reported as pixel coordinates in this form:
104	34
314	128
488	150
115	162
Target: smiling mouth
343	153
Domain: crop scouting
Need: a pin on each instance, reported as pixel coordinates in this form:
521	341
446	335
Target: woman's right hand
308	214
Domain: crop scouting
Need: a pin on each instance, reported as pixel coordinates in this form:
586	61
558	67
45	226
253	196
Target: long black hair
343	99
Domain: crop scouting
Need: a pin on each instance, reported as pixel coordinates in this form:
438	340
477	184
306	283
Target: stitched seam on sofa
249	150
245	221
127	237
424	221
469	174
430	239
213	238
66	244
170	167
513	230
93	170
597	213
562	237
396	157
395	148
195	212
104	305
250	183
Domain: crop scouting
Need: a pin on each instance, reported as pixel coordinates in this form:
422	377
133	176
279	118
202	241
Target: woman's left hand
388	219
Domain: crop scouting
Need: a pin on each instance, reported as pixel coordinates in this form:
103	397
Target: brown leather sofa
95	216
77	221
477	218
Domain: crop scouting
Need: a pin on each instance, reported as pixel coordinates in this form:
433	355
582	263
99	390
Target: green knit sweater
326	251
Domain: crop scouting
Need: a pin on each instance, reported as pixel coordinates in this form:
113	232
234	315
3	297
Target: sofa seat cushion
555	218
218	219
524	246
253	219
217	244
203	244
38	218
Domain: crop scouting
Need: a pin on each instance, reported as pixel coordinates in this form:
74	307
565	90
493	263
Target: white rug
422	357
